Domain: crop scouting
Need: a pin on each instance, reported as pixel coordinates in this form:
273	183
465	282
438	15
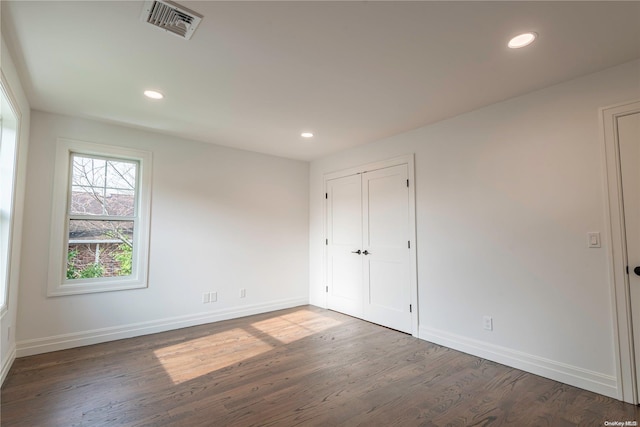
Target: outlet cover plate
487	323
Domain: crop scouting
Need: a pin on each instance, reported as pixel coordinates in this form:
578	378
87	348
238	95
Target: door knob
366	252
635	270
356	252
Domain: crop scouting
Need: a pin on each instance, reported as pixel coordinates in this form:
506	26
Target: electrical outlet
487	323
206	298
243	293
213	296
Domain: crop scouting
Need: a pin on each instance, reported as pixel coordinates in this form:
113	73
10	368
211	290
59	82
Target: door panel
382	296
346	211
386	207
346	278
344	231
387	284
629	140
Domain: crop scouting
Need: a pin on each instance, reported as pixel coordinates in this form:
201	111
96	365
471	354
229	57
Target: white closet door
386	255
344	232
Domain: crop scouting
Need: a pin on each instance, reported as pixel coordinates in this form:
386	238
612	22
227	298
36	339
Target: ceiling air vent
171	17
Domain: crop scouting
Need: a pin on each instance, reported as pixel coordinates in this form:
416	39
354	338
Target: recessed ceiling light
306	135
153	94
522	40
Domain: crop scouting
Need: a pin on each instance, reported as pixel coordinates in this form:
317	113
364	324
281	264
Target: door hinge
627	269
326	241
407	183
410	308
326	288
326	195
409	244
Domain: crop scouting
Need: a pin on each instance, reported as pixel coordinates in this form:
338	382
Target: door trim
617	253
395	161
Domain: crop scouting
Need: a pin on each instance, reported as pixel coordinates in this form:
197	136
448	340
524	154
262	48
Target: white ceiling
256	74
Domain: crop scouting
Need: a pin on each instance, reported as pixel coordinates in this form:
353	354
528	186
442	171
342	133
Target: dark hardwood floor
302	366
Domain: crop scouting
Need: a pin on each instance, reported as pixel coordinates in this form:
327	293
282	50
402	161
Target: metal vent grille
171	17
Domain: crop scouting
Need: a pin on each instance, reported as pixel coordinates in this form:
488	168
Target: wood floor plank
303	366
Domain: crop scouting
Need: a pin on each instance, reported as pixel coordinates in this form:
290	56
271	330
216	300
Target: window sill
94	287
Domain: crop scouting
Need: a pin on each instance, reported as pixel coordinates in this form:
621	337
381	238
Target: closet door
368	255
344	244
386	254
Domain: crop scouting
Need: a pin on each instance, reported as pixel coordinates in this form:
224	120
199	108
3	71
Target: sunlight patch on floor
294	326
201	356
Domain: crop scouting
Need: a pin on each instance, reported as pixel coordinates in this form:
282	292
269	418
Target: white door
368	254
629	140
386	275
344	244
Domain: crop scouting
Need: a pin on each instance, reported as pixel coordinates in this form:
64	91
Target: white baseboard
7	363
558	371
95	336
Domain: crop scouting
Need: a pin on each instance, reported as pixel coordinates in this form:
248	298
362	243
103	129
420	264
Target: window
100	225
9	125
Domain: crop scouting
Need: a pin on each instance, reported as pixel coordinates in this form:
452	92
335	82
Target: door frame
413	273
617	254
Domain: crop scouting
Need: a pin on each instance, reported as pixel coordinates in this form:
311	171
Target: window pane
121	203
99	249
85	201
102	187
88	172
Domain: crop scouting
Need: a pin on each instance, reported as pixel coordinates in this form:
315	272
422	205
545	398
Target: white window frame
8	174
58	284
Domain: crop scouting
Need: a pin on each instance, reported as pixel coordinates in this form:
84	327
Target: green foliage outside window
96	269
124	257
72	270
91	271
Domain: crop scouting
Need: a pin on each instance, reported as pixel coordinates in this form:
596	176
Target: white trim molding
7	363
57	284
8	153
96	336
617	254
557	371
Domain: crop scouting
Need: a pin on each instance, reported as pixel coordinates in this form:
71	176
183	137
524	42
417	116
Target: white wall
505	196
8	317
222	220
